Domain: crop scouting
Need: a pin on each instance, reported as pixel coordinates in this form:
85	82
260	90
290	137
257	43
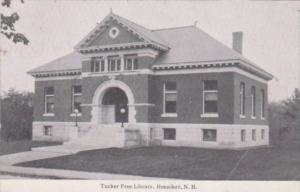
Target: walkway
68	174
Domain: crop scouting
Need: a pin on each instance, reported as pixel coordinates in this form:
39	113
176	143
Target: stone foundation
188	135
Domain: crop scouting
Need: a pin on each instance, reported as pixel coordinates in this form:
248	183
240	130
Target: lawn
183	163
8	147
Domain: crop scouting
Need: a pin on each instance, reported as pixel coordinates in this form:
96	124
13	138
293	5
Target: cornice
55	73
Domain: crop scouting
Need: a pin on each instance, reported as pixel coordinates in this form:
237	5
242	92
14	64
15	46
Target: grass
183	163
9	147
270	164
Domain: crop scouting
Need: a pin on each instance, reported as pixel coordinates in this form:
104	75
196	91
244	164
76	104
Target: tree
284	118
17	115
7	25
291	114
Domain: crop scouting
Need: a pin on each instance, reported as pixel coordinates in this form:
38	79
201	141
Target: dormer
117	44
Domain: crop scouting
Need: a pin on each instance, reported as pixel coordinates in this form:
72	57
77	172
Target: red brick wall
149	89
190	97
62	99
248	84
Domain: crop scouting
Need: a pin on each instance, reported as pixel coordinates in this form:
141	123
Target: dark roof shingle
187	44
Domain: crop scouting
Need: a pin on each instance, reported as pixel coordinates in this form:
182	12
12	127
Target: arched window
242	99
262	95
253	102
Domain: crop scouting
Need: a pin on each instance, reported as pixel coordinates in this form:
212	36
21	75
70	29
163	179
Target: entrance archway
99	101
113	101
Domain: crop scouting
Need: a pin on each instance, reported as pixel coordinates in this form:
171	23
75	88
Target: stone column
122	62
105	63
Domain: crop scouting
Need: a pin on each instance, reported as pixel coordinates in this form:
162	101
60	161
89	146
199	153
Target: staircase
102	136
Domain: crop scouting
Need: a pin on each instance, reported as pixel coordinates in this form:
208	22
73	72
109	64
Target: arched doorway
114	106
104	88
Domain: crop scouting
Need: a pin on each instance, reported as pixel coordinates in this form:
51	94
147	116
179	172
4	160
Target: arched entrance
103	97
114	106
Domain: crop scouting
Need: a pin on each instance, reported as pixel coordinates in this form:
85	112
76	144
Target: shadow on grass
9	147
183	163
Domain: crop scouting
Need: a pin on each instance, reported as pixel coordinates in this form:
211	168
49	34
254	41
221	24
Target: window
76	98
262	134
131	63
48	130
253	135
242	99
209	135
114	64
253	102
114	32
170	97
97	65
169	134
210	96
262	93
243	135
49	100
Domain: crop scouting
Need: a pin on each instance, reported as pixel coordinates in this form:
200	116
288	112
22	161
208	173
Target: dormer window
131	63
114	64
97	65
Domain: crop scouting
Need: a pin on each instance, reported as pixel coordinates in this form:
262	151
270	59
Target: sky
271	32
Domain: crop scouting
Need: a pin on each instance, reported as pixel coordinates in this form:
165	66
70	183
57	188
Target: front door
114	106
108	114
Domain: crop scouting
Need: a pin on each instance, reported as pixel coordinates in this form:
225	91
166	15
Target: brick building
126	85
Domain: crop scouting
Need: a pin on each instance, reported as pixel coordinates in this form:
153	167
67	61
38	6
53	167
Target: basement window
262	134
253	135
169	134
243	135
48	130
209	135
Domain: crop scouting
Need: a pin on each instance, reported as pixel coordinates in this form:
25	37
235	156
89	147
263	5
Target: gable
123	37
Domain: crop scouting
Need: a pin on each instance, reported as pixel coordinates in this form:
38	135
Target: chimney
237	41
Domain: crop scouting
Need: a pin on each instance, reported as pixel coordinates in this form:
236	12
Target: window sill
262	118
242	116
212	142
252	117
210	115
74	115
48	114
169	115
